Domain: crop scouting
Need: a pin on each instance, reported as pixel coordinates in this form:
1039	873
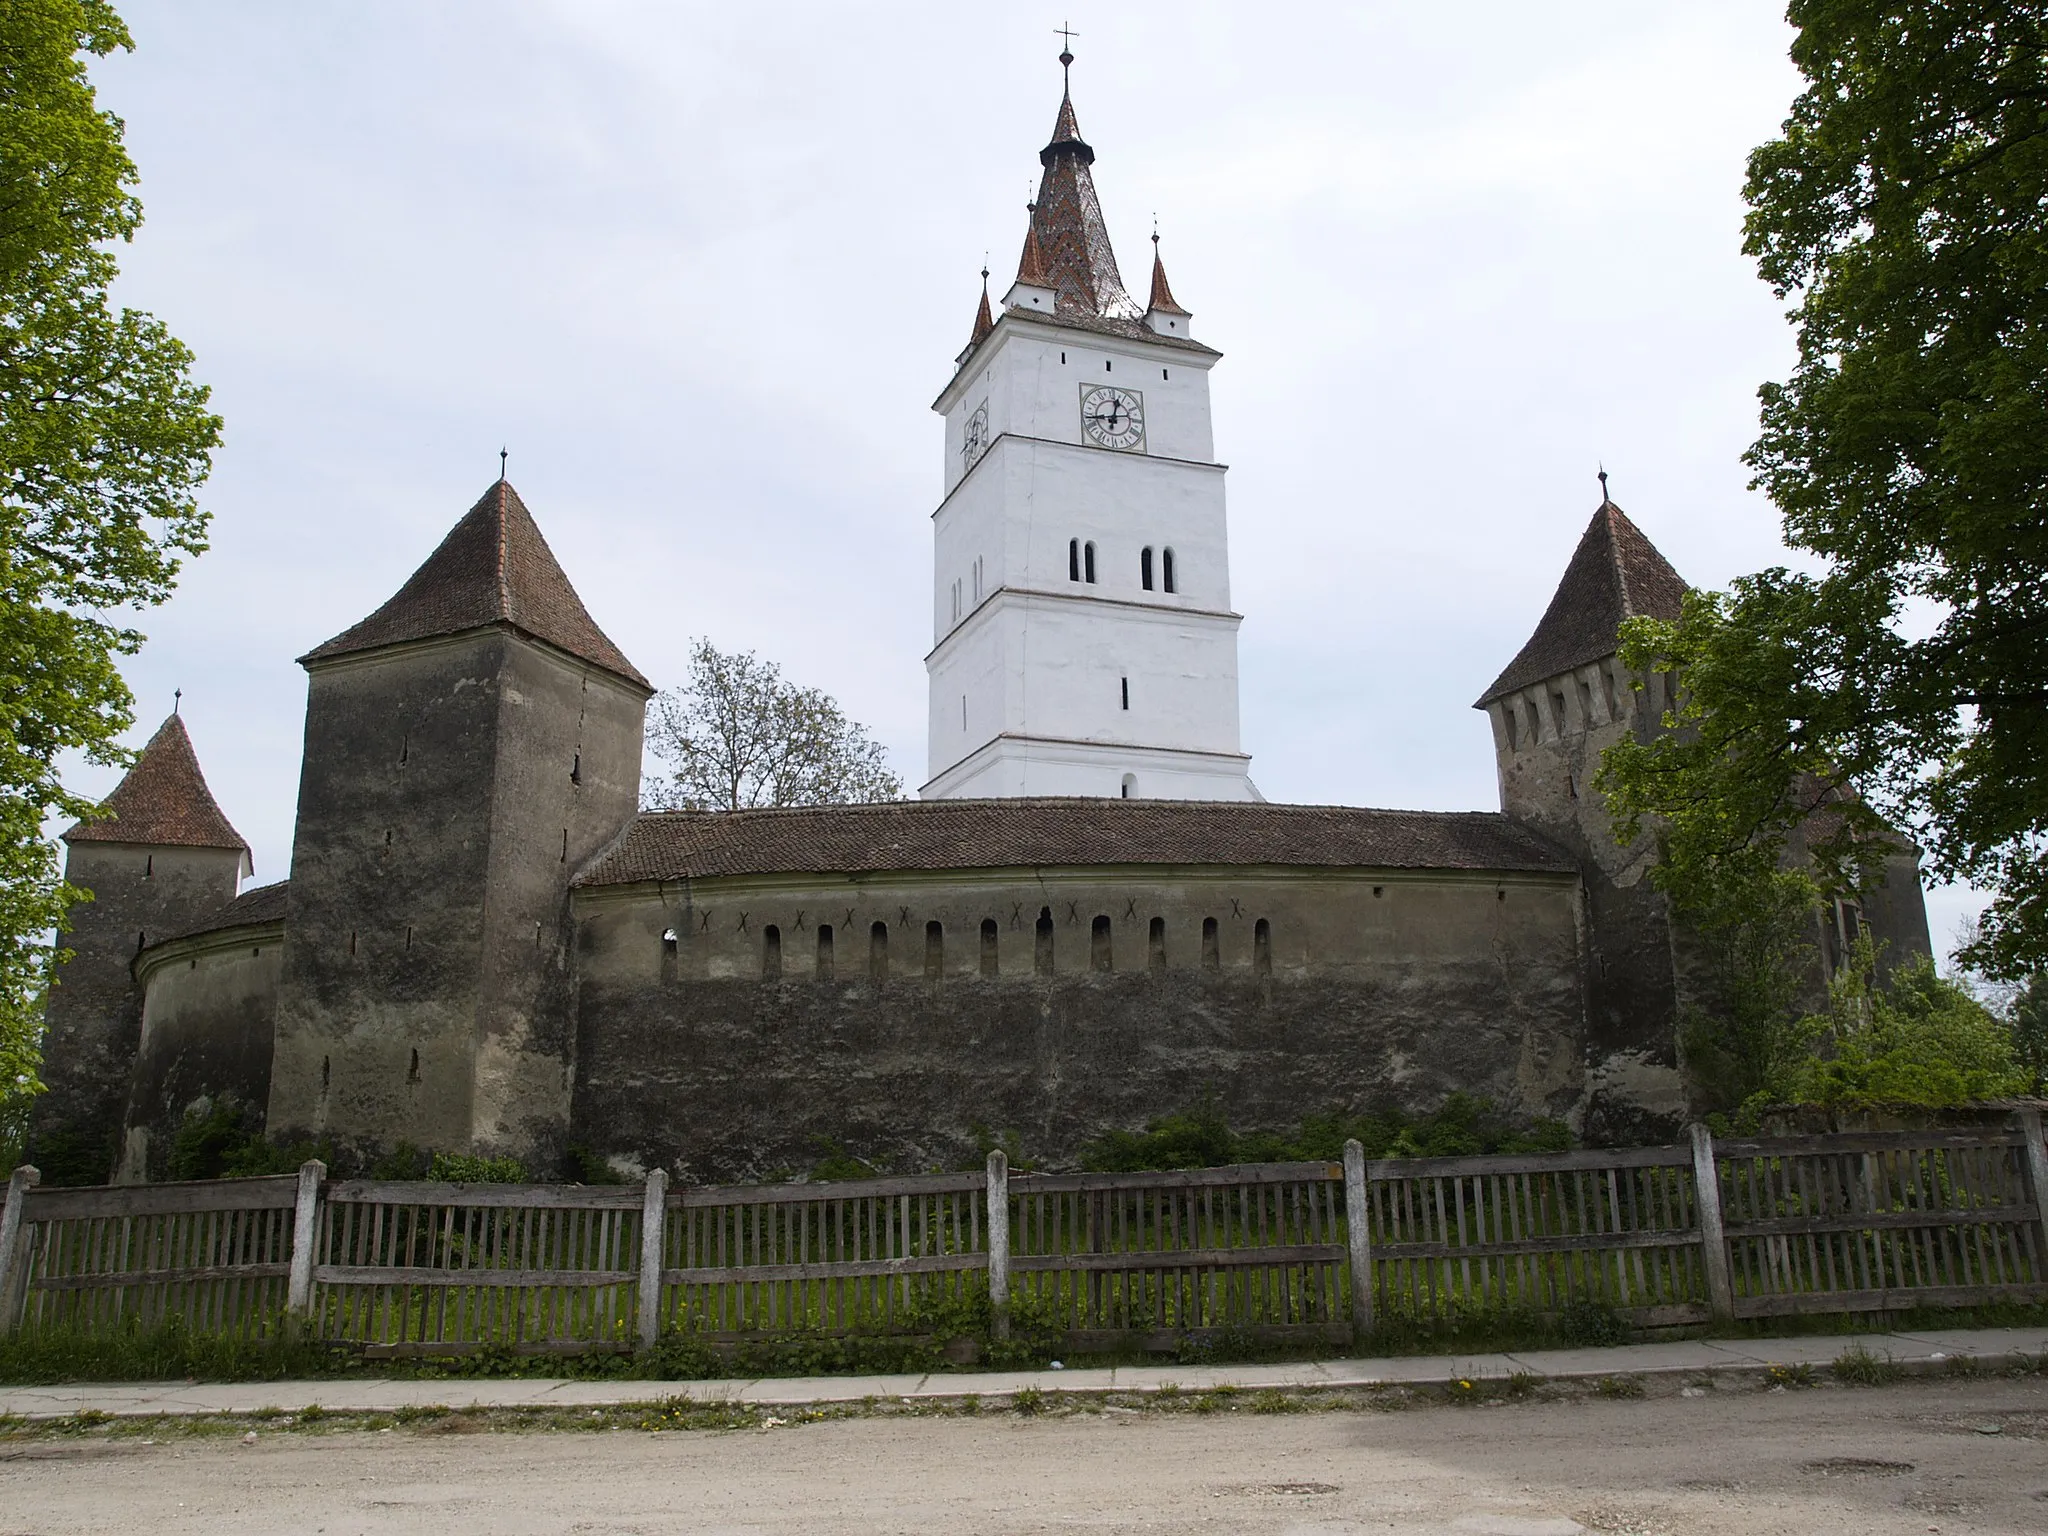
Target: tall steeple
1067	223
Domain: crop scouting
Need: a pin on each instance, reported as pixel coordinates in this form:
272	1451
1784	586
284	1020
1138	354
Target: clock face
974	437
1112	417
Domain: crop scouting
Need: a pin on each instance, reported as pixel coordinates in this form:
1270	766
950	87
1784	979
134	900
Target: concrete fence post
1358	1231
298	1303
2037	1179
14	1247
998	1245
1706	1184
653	1232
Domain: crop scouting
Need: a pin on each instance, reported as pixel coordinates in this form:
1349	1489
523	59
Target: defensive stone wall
734	1028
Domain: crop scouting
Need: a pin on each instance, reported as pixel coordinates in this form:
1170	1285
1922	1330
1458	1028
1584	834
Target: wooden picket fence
1872	1222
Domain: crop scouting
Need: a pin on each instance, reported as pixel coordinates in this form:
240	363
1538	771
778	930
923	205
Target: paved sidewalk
1688	1356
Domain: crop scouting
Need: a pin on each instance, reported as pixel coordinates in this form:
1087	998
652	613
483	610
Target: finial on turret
502	456
177	699
1603	485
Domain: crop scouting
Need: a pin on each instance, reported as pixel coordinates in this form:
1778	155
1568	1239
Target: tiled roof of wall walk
259	904
493	568
1162	295
1130	330
1034	833
163	801
1080	264
1615	574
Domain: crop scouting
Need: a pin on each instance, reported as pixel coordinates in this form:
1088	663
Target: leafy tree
2030	1028
1906	204
104	441
737	735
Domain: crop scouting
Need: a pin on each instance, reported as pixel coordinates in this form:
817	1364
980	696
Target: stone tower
1084	642
1560	703
468	745
162	860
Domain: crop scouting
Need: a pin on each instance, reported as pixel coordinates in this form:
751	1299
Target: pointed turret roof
1616	573
493	568
1162	296
984	322
163	802
1067	222
1031	265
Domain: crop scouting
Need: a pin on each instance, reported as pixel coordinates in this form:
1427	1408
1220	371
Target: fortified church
1090	918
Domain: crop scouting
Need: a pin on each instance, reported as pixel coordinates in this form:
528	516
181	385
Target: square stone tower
468	746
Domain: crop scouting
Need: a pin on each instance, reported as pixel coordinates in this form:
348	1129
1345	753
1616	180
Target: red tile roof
1034	833
984	322
1162	296
1615	574
1072	237
1031	264
163	801
262	904
493	568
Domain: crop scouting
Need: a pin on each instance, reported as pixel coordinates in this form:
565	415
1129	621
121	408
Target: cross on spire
1067	34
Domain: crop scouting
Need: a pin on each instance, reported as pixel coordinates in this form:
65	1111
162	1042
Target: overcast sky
702	269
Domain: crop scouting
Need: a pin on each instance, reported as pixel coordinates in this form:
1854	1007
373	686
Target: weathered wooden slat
162	1199
123	1279
480	1279
1175	1178
1390	1168
1875	1221
853	1189
1271	1256
1862	1141
583	1197
1574	1242
1786	1303
853	1269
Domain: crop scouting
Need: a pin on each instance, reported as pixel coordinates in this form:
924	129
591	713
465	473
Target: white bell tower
1084	642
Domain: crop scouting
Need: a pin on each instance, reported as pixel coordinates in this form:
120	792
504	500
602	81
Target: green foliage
404	1162
583	1166
1906	204
466	1168
1202	1138
166	1350
836	1165
1913	1038
104	441
210	1135
2030	1029
1591	1325
1856	1366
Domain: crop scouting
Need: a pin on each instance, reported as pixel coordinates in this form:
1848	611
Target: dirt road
1962	1456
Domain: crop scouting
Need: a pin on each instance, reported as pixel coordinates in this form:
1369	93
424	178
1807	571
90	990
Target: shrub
1591	1325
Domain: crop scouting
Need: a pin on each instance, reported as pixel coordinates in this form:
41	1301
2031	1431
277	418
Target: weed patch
1858	1367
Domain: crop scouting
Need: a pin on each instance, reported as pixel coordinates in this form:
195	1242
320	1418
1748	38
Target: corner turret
160	860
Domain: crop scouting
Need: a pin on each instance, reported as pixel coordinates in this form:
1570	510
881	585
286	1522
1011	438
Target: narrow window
824	951
1043	959
1607	684
565	845
1162	373
1379	890
412	1073
1145	568
1166	571
576	769
1514	725
934	950
1670	687
404	749
148	865
1127	692
1262	948
771	953
1073	559
1063	359
142	942
1585	703
990	935
1155	946
1099	943
1130	786
408	934
1534	724
326	1073
1212	951
1107	365
1571	786
1557	711
878	952
1088	561
351	940
669	942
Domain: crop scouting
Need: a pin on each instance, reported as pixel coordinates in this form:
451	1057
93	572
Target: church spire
1067	224
1163	313
984	322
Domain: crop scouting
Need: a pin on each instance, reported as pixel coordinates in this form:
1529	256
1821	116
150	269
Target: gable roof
492	568
1029	833
163	801
1615	574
